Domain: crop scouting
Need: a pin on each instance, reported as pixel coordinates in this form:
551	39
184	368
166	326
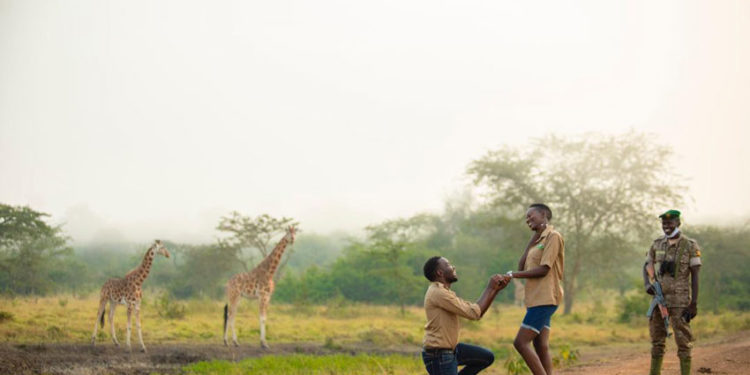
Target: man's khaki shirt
443	307
548	251
676	289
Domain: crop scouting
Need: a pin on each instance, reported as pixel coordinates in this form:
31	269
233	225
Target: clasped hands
499	282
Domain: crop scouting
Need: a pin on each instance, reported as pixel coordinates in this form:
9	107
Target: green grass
33	320
347	327
309	364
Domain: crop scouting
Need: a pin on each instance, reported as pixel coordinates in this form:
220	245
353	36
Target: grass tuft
6	316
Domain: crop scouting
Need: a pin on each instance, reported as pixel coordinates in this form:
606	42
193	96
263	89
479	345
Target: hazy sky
151	119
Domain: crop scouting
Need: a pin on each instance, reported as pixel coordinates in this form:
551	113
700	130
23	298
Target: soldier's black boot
656	365
684	366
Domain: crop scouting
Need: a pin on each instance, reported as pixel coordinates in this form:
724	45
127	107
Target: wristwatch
510	273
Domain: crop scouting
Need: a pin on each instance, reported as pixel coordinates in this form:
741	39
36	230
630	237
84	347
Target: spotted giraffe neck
140	273
271	263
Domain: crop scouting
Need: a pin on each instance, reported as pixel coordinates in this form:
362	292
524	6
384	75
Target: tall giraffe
127	291
256	283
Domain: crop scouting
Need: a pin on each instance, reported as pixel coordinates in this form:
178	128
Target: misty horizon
342	115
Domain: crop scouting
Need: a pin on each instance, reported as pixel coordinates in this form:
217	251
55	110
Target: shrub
55	332
6	316
633	304
515	365
330	344
566	356
169	308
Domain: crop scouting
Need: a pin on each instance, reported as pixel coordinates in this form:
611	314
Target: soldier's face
669	225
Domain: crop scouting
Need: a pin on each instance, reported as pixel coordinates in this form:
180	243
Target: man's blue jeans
475	359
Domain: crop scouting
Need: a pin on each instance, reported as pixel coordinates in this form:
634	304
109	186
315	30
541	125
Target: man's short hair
430	266
543	208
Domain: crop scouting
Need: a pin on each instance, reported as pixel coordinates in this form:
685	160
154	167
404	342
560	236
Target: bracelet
510	273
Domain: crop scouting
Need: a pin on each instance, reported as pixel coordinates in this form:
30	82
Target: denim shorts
538	317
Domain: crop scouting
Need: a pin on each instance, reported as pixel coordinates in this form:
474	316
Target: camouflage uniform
685	253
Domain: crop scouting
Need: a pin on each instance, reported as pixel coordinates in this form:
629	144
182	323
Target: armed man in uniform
676	260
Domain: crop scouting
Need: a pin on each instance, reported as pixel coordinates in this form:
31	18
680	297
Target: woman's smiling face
535	219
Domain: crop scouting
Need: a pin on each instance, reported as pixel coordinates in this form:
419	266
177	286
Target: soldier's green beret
671	214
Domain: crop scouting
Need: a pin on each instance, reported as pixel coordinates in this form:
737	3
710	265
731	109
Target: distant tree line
605	192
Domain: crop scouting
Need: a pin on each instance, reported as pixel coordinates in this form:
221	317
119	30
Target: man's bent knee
489	358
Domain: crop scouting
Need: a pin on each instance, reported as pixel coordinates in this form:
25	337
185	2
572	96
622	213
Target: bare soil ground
726	355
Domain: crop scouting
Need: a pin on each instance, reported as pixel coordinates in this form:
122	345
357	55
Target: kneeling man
442	353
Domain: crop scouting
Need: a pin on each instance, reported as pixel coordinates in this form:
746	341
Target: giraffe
256	283
127	291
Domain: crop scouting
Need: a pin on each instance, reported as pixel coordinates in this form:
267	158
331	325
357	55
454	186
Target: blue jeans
474	358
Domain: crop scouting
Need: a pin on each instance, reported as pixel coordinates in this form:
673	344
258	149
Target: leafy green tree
603	189
29	250
477	241
312	286
723	281
316	250
391	244
248	233
207	268
384	269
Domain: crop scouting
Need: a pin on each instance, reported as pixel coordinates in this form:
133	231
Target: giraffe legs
130	315
99	316
138	325
234	299
247	285
262	308
233	315
112	306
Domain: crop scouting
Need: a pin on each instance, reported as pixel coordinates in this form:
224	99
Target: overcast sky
146	119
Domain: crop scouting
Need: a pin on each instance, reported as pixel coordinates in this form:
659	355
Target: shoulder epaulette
689	239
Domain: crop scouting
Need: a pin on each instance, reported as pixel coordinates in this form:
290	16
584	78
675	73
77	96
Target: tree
207	266
29	247
602	190
253	233
391	242
723	280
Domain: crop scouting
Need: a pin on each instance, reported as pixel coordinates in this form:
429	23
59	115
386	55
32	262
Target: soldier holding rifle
673	261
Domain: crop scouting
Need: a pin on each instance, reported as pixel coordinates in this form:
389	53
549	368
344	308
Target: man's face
534	218
669	225
448	271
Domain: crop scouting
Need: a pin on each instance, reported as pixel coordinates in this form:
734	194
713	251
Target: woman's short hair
543	208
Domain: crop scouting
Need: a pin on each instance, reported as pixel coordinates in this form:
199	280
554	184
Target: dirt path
727	355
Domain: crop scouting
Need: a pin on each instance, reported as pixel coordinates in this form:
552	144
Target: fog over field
136	120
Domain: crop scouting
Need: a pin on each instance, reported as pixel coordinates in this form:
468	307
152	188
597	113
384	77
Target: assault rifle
658	299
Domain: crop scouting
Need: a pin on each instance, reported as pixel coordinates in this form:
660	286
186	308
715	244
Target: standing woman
542	264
